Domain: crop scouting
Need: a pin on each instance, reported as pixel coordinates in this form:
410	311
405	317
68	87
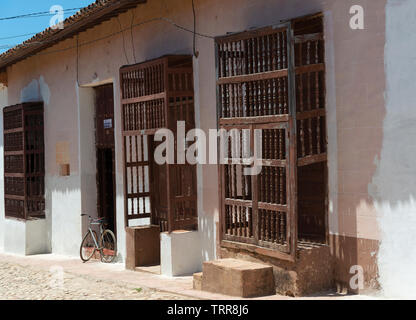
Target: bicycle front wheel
87	248
109	246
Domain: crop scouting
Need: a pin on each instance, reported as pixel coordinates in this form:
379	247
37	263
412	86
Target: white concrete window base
180	253
26	237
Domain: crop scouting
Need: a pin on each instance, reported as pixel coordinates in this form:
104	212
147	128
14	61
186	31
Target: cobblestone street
54	277
27	283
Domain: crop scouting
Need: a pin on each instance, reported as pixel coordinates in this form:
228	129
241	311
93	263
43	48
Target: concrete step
236	278
311	273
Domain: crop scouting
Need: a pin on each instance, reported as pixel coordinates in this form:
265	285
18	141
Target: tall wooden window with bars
24	161
273	80
156	95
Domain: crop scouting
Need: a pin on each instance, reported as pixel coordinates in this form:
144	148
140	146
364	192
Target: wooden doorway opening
105	152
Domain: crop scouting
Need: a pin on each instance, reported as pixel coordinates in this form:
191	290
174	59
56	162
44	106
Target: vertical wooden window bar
155	95
24	161
270	79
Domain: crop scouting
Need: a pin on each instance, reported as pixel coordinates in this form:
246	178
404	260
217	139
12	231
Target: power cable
132	38
38	14
194	33
113	34
124	43
19	36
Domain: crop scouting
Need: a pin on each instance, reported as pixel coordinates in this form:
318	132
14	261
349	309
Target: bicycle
106	244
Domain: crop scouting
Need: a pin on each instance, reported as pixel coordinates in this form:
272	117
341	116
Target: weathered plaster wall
50	79
87	153
355	104
394	184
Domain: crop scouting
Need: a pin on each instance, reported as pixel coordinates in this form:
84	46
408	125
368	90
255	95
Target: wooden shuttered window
156	95
24	161
271	79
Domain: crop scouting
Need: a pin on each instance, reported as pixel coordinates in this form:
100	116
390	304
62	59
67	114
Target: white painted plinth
26	237
180	253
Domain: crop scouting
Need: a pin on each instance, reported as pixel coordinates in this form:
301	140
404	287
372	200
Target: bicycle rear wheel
108	246
87	249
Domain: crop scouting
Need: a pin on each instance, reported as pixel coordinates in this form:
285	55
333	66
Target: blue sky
10	28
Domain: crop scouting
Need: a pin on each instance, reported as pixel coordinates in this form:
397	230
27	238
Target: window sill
24	220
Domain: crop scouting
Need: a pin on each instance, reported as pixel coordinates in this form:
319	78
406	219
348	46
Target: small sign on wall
108	123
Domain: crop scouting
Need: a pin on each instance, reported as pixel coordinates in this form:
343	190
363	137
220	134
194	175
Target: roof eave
103	14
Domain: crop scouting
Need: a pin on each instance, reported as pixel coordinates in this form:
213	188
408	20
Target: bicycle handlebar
94	220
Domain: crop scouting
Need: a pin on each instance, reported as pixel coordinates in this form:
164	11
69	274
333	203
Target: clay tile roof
95	13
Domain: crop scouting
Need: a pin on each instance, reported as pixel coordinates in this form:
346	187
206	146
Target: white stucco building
364	173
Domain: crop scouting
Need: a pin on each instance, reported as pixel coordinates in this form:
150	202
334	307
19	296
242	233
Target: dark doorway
312	198
159	199
105	150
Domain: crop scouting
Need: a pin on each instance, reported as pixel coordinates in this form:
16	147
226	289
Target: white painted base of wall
180	253
26	237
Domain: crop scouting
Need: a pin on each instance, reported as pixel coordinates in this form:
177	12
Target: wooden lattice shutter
155	95
255	89
272	79
24	161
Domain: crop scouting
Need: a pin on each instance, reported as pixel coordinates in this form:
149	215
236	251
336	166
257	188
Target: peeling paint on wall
37	90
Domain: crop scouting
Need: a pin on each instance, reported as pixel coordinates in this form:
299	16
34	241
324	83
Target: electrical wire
124	43
194	33
19	36
163	19
132	38
77	60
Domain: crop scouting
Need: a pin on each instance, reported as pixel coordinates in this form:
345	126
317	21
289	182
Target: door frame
111	147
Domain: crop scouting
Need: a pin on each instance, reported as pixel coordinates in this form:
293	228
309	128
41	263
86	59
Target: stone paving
54	277
27	283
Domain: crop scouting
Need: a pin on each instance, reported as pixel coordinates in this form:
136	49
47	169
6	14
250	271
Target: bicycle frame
97	246
99	243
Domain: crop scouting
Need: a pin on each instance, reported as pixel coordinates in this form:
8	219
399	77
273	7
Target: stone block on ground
238	278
